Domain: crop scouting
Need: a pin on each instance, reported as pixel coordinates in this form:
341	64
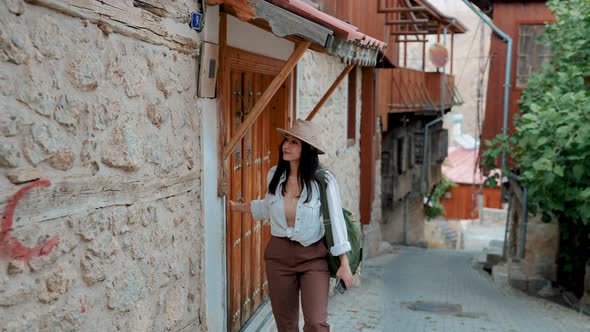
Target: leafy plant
551	145
435	208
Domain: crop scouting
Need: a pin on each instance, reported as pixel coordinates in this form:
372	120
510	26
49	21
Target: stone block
16	267
105	246
104	112
124	150
24	175
500	274
90	226
48	36
16	7
157	113
63	160
56	284
491	260
85	70
118	220
10	155
92	270
8	121
130	72
67	317
13	45
67	112
126	290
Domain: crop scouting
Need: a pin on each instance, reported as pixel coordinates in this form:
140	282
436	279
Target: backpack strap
320	176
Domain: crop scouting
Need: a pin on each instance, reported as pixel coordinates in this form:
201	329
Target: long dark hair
308	165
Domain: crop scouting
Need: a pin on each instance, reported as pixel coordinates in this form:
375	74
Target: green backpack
353	229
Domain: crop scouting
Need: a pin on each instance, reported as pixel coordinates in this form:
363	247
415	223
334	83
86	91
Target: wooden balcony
401	90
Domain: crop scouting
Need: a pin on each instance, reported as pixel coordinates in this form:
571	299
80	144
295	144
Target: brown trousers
290	268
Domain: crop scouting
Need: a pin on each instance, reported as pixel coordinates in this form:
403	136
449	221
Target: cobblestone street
392	282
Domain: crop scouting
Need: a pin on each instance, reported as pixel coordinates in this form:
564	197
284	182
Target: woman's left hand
345	274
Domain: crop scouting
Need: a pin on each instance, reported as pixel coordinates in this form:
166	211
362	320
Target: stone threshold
261	321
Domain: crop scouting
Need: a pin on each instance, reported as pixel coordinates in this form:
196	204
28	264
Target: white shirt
308	228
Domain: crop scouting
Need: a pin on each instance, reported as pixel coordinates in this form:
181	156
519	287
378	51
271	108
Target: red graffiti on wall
9	245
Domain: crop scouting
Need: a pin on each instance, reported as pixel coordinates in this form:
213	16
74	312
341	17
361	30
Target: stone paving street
393	281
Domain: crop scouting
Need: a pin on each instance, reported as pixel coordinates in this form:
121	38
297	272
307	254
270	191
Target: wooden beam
330	91
403	33
395	22
413	15
401	9
424	54
223	95
367	143
127	20
405	51
452	50
411	41
266	97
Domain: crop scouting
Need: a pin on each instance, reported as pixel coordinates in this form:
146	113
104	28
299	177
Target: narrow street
392	283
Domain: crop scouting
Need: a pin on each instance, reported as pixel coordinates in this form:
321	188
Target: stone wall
112	123
393	222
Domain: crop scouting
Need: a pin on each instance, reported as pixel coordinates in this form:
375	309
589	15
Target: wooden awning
300	22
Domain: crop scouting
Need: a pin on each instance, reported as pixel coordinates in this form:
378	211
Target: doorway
248	75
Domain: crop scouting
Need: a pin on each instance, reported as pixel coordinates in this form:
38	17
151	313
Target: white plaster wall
249	38
213	214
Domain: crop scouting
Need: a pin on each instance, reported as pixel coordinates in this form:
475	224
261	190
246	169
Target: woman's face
291	148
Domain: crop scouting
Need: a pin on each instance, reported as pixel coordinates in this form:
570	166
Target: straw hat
306	132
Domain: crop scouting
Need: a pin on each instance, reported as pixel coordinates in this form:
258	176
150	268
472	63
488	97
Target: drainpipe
425	157
444	76
508	40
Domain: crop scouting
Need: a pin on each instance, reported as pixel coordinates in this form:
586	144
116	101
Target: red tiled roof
461	167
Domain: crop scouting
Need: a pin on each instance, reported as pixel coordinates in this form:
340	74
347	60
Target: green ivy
551	144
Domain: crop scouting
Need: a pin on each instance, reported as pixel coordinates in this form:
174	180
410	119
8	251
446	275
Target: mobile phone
340	286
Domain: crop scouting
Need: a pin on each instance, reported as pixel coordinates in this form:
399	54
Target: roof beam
396	22
401	9
404	33
266	97
328	93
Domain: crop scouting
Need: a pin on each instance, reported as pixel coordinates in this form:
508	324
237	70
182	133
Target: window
531	53
351	121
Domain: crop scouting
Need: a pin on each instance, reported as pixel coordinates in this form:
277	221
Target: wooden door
248	167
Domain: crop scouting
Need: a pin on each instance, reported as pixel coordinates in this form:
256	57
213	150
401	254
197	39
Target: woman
296	255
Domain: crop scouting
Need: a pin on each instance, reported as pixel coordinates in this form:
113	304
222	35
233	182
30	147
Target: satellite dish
439	55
